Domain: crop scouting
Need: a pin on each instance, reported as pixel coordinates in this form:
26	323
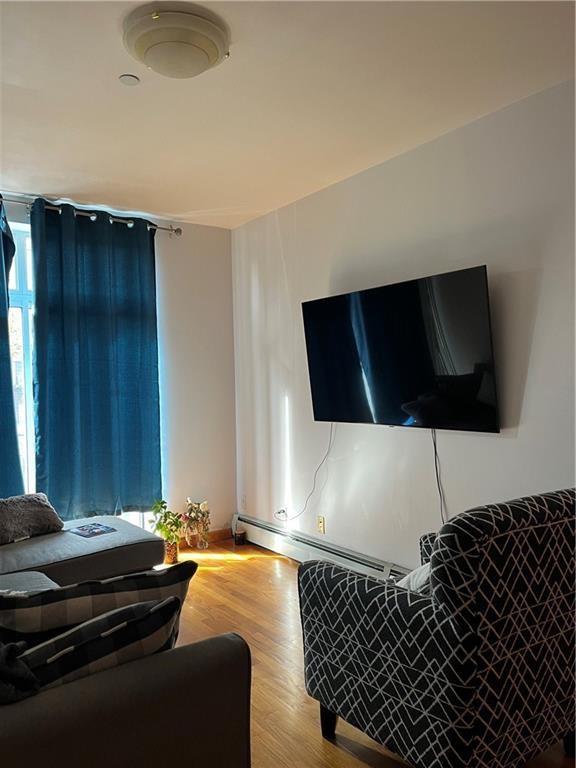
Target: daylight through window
21	329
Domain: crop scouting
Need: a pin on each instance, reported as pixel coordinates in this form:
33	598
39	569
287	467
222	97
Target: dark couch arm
378	655
343	611
188	706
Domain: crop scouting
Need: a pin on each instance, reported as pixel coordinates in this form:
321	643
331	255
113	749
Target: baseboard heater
302	548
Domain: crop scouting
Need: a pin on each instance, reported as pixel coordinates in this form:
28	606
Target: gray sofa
189	705
68	559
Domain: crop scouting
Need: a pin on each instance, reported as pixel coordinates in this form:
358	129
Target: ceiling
313	92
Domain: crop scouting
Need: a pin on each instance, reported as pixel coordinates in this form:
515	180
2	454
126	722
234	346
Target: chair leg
570	744
328	723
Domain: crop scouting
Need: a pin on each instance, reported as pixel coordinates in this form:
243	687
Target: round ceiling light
174	42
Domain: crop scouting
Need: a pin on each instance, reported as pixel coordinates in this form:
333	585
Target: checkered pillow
56	609
107	641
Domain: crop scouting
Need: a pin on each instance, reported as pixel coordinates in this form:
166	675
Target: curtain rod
93	215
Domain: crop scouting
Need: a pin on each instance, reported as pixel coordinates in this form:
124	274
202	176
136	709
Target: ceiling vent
174	42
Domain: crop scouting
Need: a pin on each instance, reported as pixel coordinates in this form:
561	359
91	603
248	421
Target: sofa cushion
63	607
28	515
27	581
68	559
107	641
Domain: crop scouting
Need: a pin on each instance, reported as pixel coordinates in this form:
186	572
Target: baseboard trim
302	548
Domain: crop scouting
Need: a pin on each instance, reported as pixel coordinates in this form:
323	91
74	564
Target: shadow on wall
514	305
514	294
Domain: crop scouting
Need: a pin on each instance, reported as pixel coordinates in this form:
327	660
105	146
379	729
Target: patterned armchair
478	675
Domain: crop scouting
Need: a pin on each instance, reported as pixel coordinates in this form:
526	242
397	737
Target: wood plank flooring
253	592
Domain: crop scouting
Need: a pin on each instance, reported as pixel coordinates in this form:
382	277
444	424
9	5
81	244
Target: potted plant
167	524
197	522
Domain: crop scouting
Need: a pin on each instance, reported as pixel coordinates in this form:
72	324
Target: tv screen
412	354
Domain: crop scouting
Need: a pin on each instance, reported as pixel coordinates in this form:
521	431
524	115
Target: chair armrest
382	636
426	547
188	706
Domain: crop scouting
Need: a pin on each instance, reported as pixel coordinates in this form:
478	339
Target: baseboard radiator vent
302	548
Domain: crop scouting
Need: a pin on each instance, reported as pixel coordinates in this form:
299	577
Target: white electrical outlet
321	523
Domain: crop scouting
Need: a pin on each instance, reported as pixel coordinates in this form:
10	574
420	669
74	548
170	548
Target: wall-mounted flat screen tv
411	354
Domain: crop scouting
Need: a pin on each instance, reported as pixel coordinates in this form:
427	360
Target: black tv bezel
495	431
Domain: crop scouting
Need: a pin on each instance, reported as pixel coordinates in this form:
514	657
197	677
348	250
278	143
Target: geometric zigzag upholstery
427	546
480	674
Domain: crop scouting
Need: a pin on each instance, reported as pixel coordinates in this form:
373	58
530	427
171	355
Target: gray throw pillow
417	580
24	516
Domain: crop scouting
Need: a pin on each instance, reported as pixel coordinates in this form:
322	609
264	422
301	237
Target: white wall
196	345
498	192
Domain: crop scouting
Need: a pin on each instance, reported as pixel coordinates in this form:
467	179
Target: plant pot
197	534
190	535
170	552
202	538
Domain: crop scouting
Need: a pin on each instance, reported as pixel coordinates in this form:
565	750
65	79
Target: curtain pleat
11	483
96	363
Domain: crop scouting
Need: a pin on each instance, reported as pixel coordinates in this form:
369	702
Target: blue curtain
96	363
11	483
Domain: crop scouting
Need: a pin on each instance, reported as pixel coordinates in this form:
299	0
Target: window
21	329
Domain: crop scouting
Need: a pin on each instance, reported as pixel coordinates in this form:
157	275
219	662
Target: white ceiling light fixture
174	42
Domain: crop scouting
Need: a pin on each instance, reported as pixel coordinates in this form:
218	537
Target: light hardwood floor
253	592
